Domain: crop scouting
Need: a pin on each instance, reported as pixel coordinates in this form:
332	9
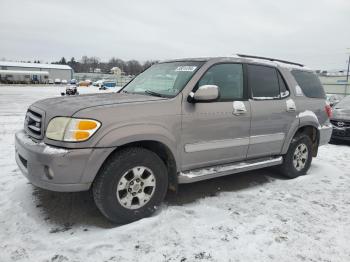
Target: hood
341	113
69	105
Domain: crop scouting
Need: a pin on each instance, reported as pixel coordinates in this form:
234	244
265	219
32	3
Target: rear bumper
325	134
56	169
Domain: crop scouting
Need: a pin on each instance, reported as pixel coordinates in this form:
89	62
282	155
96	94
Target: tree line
91	64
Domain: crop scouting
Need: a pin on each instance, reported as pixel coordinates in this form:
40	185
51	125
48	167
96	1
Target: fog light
48	172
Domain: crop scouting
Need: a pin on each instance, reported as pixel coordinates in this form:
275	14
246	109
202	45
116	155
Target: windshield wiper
154	93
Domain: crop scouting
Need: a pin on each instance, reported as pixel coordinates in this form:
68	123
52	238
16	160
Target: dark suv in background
341	120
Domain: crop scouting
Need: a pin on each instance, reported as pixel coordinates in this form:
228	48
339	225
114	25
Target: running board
223	170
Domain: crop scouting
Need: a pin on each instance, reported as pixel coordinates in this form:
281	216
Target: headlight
71	129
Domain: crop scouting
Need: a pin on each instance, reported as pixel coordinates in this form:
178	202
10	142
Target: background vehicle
341	120
98	83
108	84
57	81
64	82
85	83
333	99
180	121
73	81
71	90
51	82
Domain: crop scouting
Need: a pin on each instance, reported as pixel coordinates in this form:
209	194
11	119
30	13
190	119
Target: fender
139	132
306	118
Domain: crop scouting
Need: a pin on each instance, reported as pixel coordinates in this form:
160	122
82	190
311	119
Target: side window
263	82
228	77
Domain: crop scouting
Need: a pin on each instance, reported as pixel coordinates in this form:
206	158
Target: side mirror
205	93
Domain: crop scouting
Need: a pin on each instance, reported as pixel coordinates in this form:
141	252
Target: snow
46	148
254	216
34	65
54	150
265	97
308	113
290	104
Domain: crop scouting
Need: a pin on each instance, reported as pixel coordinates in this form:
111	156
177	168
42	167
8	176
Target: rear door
272	110
217	132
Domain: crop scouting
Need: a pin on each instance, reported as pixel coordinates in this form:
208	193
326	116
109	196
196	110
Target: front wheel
298	159
130	185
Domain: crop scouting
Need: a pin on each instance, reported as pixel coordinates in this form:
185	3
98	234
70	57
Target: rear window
309	83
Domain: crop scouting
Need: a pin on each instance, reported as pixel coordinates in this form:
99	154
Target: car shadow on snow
63	211
188	193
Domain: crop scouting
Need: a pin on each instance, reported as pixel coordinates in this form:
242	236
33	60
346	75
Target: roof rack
269	59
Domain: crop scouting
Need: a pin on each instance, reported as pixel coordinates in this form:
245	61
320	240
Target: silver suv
180	121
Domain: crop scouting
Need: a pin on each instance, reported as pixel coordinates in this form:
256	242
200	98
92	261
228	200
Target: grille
33	124
340	123
341	133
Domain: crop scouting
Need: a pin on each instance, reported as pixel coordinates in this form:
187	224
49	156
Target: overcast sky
313	32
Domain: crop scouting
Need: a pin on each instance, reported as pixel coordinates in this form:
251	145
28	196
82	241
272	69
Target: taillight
328	110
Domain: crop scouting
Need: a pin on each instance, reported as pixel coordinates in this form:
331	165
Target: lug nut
137	180
140	191
134	194
132	182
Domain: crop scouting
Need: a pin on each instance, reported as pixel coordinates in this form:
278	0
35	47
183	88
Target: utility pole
347	73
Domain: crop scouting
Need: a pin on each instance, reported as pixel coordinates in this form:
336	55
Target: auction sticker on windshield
185	68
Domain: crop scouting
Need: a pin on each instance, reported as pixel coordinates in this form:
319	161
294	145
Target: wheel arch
160	149
309	129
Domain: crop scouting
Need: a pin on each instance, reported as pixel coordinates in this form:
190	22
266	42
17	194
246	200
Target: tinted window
263	82
228	77
309	83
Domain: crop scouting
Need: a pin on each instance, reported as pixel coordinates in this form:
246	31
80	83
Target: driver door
217	132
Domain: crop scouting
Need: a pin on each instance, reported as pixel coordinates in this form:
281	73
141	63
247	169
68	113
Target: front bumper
341	133
56	169
325	134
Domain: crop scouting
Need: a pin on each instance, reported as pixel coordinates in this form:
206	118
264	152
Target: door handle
239	108
239	111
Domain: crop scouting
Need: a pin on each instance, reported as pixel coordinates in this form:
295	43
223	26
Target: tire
296	164
130	171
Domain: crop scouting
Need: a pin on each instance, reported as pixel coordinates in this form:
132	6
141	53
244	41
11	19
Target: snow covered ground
255	216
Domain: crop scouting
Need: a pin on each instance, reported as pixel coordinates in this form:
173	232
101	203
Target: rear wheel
131	185
298	159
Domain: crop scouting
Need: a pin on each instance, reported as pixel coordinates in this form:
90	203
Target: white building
18	72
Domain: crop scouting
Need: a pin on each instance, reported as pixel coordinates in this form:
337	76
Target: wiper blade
154	93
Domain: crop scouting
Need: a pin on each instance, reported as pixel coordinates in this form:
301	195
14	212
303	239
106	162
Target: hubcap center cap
136	187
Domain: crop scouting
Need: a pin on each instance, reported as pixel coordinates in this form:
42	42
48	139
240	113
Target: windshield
164	79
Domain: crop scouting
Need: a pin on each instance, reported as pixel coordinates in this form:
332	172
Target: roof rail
269	59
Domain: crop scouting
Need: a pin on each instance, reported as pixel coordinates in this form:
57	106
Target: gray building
18	72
